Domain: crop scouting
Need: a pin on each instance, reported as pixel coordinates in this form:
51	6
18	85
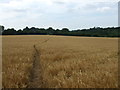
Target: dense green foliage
92	32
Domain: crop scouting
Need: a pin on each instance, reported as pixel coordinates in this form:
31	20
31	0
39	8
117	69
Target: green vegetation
92	32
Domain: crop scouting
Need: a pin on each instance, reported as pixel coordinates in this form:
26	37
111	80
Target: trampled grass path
36	79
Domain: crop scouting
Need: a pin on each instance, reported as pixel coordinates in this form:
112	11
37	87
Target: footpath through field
36	79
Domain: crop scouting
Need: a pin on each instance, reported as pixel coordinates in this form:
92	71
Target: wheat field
33	61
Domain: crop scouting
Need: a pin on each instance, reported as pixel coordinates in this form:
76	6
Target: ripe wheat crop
59	62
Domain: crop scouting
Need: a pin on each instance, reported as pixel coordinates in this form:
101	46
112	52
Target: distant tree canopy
92	32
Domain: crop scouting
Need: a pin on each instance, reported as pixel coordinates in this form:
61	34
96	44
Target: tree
11	31
92	32
19	32
65	30
50	31
26	30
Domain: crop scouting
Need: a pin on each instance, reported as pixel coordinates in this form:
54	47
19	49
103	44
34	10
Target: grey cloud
20	10
92	7
59	2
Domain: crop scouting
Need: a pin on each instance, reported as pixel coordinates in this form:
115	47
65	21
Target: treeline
92	32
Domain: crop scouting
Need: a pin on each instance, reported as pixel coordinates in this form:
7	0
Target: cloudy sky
73	14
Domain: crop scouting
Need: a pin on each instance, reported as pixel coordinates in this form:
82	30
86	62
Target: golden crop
59	62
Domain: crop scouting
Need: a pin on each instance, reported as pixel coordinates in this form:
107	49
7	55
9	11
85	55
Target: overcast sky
72	14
